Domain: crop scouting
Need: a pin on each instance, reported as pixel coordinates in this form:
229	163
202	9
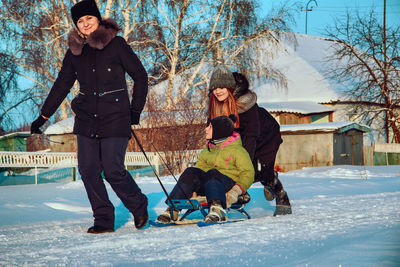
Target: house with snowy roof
14	141
298	112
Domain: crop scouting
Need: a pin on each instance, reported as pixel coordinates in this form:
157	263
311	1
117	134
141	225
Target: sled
200	204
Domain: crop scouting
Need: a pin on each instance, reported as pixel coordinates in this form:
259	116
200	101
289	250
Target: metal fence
386	154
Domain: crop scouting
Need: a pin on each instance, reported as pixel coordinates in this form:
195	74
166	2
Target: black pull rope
151	165
56	142
170	171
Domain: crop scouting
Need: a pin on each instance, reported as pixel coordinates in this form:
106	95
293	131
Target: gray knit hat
222	77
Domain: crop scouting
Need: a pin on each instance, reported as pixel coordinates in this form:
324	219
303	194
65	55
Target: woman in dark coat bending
229	94
99	59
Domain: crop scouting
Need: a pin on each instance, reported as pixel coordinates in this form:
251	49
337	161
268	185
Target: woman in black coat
99	59
229	94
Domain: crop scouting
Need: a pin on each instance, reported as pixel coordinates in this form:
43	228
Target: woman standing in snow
222	173
229	93
99	59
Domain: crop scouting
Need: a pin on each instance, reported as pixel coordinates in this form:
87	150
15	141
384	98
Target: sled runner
200	204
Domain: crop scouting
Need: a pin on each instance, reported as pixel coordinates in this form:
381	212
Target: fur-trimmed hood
246	101
99	39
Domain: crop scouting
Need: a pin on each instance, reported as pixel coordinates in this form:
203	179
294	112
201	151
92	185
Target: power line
370	6
345	11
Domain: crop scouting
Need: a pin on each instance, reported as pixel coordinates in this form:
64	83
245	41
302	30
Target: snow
61	127
342	216
301	107
324	126
20	134
305	66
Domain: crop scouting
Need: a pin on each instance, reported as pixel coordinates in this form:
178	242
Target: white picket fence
55	159
12	159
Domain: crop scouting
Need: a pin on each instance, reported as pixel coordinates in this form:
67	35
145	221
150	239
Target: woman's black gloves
35	126
135	117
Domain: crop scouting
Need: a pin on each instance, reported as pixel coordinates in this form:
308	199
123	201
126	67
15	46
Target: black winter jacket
99	63
260	133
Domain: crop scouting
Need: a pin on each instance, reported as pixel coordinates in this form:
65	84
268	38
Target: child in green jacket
222	173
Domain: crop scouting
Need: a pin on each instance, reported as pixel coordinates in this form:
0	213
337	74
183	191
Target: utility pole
385	69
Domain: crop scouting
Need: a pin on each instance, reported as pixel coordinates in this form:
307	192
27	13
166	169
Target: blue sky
324	14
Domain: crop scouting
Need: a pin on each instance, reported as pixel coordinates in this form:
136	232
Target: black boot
273	188
141	221
282	204
142	216
99	230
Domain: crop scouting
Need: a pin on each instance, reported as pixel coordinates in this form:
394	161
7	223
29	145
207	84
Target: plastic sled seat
200	204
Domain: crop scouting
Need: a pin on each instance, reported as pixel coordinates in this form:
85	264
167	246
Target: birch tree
183	36
8	84
36	32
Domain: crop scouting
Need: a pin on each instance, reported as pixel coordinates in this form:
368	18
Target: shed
14	141
321	144
61	137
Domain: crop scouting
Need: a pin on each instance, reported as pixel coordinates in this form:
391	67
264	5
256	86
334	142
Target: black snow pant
212	184
267	173
107	155
267	176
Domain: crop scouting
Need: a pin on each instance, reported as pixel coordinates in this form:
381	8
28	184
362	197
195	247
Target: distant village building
322	144
298	112
14	141
344	111
61	137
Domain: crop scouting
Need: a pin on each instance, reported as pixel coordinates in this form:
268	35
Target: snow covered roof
339	127
305	66
301	107
61	127
16	134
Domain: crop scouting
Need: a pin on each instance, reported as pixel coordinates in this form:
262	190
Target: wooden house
298	112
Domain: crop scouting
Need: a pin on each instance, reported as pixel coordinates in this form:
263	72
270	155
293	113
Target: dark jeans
212	184
108	155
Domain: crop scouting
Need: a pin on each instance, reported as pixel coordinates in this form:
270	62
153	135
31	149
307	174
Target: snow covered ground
342	216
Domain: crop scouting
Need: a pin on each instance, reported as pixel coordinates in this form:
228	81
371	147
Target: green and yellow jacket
229	158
